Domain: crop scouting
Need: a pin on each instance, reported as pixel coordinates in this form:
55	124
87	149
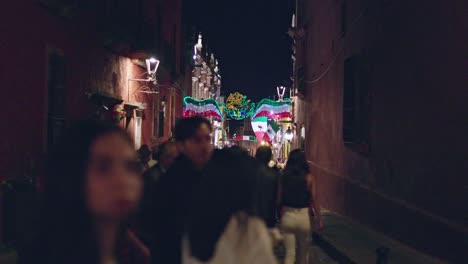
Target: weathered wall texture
412	184
89	67
29	32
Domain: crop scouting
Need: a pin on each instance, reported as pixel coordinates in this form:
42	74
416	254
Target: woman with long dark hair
222	226
299	205
92	186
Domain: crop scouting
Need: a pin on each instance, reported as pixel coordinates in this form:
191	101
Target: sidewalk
350	242
317	255
342	241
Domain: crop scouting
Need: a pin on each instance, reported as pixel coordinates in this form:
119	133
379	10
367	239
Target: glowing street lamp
280	90
152	65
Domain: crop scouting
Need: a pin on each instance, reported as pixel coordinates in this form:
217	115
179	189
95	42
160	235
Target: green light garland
266	101
207	108
191	100
237	106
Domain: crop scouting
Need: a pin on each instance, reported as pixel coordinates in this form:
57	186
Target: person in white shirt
222	226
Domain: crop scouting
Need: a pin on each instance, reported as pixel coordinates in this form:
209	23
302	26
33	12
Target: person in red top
92	186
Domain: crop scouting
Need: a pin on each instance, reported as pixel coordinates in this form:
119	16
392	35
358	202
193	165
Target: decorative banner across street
205	108
272	109
272	130
245	138
260	126
238	107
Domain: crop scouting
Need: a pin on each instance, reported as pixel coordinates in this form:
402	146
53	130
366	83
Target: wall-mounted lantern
152	66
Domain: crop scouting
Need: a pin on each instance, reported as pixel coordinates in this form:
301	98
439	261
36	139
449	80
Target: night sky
249	37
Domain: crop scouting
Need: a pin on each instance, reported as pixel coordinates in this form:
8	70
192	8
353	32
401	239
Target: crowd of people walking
105	203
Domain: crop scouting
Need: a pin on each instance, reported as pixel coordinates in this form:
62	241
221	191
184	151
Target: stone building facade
206	77
381	95
73	60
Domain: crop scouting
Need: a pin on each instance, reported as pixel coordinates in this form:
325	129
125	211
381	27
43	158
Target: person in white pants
299	201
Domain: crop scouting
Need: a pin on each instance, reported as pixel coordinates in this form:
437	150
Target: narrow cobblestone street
130	126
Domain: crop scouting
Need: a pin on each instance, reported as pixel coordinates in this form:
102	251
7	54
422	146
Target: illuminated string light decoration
273	109
238	107
206	108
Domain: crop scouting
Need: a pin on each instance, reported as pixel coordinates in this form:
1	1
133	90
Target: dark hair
66	232
237	149
226	189
186	127
164	148
144	152
297	163
264	154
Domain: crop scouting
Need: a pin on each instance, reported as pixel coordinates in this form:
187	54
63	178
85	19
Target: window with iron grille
356	103
56	94
343	19
300	80
162	117
156	115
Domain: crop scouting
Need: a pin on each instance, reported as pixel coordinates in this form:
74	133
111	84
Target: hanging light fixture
280	91
152	65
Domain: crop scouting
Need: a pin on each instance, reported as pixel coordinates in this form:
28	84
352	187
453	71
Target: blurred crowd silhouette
187	203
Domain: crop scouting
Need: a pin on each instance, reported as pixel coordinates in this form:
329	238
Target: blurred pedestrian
167	154
280	164
222	227
174	189
154	154
300	204
267	187
144	154
92	186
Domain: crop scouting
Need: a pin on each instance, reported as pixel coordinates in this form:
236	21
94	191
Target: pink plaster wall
27	33
414	178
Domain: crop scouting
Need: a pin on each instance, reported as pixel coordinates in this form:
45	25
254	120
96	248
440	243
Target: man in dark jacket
167	155
267	187
148	213
175	188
